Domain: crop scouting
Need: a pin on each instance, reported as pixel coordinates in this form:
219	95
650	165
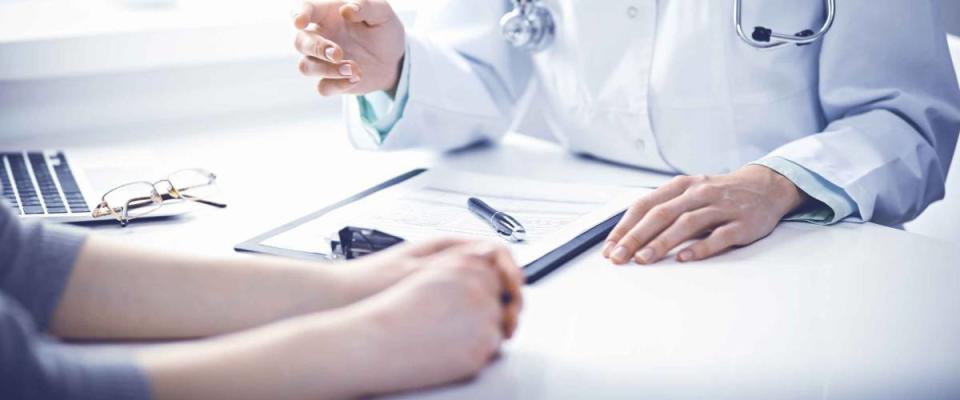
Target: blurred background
81	65
109	68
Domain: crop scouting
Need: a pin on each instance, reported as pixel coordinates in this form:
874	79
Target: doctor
859	123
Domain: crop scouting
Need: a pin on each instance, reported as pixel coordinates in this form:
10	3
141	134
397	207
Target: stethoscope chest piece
529	26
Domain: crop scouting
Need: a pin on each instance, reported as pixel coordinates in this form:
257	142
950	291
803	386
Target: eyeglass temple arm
196	199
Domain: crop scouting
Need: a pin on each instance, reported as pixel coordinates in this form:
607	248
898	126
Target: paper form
434	204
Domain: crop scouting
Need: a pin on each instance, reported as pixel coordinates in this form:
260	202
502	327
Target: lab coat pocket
776	100
757	76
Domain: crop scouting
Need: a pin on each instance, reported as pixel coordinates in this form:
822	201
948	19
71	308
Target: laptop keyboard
39	184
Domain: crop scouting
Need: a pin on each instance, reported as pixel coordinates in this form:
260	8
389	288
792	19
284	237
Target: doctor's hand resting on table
859	124
272	328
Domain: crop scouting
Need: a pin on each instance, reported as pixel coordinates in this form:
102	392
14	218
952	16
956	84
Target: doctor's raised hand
353	46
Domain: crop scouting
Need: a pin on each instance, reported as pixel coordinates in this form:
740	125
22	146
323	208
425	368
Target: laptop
46	185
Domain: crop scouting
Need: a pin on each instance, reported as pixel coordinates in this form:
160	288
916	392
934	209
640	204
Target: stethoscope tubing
524	8
779	39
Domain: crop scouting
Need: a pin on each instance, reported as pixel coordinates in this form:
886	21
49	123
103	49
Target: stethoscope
765	38
530	26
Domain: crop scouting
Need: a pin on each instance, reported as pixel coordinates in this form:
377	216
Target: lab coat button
632	12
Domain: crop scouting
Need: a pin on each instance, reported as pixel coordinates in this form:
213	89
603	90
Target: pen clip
508	227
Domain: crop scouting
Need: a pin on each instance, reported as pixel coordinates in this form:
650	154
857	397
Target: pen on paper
505	225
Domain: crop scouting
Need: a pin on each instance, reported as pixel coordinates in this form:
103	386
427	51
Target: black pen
506	226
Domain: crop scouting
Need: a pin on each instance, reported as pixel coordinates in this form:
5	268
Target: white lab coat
874	108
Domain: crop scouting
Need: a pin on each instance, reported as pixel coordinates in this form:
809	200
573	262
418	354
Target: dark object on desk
570	250
533	271
505	225
358	242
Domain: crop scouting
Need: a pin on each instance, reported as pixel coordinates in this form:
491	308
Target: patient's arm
438	325
117	291
409	317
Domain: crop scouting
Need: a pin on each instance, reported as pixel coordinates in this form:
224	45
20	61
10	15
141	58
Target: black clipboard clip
358	242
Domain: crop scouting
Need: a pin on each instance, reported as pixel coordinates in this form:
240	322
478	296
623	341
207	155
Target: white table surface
848	311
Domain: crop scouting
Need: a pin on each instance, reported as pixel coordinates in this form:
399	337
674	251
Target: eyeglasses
136	199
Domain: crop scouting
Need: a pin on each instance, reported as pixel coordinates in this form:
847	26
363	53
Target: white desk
849	311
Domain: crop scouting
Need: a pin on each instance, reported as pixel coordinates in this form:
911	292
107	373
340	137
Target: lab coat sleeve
464	82
892	105
832	202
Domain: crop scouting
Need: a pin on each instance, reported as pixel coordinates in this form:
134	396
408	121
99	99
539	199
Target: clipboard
533	271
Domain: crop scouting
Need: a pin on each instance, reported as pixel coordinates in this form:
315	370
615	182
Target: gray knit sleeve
34	366
35	263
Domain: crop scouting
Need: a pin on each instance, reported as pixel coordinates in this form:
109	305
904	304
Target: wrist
792	197
783	191
363	278
347	353
306	357
392	90
352	344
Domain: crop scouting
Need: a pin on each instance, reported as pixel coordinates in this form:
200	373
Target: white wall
70	67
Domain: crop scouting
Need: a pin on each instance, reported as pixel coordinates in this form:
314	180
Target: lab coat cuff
378	112
834	203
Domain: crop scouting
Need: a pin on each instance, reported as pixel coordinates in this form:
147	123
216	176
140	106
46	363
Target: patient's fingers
311	66
513	279
509	276
314	45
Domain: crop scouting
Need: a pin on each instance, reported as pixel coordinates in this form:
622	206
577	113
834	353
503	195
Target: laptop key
67	182
32	210
21	177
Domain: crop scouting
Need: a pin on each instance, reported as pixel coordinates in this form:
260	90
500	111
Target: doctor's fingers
317	12
371	12
639	208
732	234
689	225
333	87
655	221
348	70
315	45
